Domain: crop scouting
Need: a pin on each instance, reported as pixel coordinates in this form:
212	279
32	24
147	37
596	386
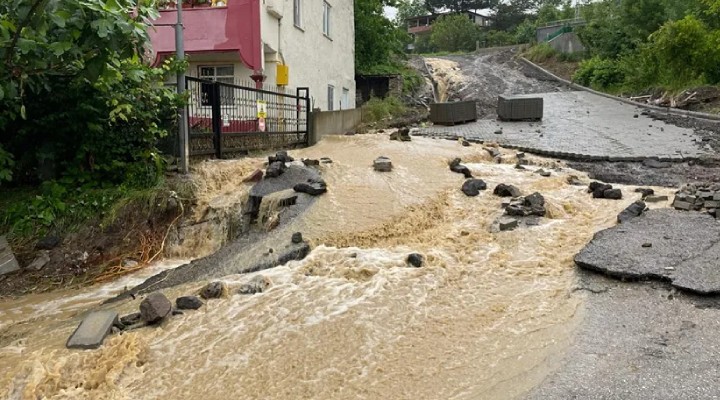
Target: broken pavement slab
8	263
92	331
685	250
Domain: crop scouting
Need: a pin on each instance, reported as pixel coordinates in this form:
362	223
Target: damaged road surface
680	247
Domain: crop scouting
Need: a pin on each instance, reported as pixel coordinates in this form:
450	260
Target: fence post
216	119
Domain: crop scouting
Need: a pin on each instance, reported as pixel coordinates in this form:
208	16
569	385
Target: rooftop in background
423	23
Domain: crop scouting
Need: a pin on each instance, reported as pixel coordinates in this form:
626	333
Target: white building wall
314	59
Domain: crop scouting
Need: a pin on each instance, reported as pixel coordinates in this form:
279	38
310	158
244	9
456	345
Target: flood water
487	317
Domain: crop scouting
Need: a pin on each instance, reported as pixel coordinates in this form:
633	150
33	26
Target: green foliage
495	38
459	5
377	109
525	32
412	80
377	40
600	74
424	44
454	33
6	164
540	53
408	9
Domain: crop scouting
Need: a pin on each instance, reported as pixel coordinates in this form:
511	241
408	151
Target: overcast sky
390	12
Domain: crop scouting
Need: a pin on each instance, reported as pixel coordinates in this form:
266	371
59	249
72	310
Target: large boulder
257	284
634	210
504	190
313	187
155	307
213	290
472	187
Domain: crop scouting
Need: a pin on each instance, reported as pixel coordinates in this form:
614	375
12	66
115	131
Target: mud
485	76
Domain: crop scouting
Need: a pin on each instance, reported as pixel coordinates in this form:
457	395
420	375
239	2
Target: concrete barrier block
92	330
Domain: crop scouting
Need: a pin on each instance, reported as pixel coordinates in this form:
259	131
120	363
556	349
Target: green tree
377	40
454	33
408	9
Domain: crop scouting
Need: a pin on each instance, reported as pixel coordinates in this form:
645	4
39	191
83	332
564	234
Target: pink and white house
284	43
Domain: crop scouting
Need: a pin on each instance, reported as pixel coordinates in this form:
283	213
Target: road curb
669	110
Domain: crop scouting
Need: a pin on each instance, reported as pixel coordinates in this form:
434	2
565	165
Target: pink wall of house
235	28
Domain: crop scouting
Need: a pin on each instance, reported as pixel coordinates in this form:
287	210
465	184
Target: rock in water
92	331
415	260
465	143
275	169
472	187
645	192
213	290
310	162
598	189
155	308
542	172
281	156
456	167
530	205
613	194
188	303
402	134
634	210
257	284
574	180
504	190
131	319
254	177
382	164
507	224
313	187
297	238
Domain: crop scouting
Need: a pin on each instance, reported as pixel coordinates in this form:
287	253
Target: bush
454	33
377	109
499	38
525	32
600	74
540	52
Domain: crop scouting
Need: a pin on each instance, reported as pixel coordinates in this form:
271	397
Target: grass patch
377	109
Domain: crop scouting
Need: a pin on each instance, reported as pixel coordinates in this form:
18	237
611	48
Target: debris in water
213	290
313	187
472	187
257	284
455	166
504	190
92	331
155	307
297	238
188	303
645	192
254	177
382	164
633	210
507	224
415	260
309	162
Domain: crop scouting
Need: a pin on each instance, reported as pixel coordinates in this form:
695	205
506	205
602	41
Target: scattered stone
131	319
155	307
598	189
47	243
92	331
533	204
494	153
574	180
280	156
656	199
633	210
635	116
682	205
711	204
465	143
40	261
402	134
313	187
275	169
297	238
519	166
309	162
612	194
645	192
507	224
382	164
258	284
498	132
520	156
254	177
176	312
8	263
647	245
213	290
652	163
504	190
326	160
472	187
415	260
188	303
542	172
456	167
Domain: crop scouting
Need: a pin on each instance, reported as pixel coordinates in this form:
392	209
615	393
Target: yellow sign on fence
261	109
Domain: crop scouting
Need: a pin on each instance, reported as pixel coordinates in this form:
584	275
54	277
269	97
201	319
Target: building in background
423	24
283	43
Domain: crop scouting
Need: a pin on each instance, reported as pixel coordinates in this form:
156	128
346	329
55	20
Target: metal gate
226	119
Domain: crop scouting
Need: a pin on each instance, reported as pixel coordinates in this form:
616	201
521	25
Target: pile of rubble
698	197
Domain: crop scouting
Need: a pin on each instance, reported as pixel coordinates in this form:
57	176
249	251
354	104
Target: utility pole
182	115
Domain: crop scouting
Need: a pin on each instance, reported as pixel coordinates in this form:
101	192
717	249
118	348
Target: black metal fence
226	119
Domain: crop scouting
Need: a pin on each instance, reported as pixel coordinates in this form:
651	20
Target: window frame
331	97
214	77
326	22
345	98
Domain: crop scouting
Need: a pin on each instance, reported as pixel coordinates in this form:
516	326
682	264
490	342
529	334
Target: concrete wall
333	123
567	43
315	60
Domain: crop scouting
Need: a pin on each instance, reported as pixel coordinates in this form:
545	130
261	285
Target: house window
345	100
297	13
331	97
218	73
326	18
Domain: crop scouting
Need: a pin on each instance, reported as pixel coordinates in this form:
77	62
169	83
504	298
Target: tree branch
20	27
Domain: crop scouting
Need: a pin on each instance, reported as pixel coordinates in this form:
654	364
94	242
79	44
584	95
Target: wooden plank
8	263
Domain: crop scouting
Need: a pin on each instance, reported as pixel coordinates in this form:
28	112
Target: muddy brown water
488	316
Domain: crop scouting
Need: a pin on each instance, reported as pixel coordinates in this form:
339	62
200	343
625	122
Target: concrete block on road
8	263
507	224
656	199
682	205
92	330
